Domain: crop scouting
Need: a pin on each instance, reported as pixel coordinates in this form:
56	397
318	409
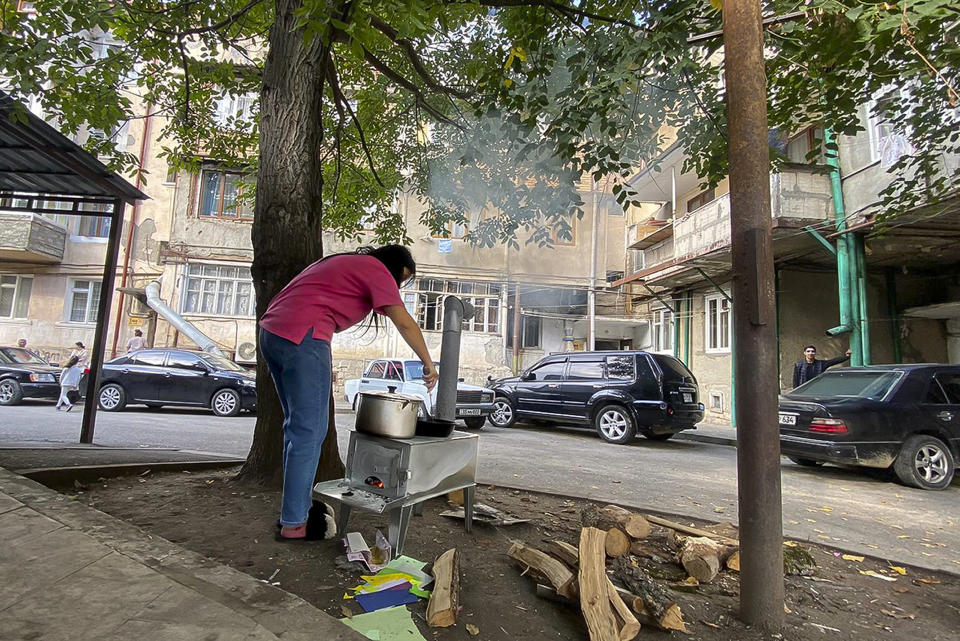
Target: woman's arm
412	335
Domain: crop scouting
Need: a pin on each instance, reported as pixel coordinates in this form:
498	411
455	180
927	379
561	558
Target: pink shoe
292	532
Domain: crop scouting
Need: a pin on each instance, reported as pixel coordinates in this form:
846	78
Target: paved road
846	508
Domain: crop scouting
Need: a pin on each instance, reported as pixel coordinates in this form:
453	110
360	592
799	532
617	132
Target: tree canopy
491	110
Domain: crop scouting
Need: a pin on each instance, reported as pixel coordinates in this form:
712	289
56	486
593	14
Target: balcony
798	197
30	238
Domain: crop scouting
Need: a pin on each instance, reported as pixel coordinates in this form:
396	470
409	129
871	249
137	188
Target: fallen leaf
877	575
904	536
347	612
899	570
898	615
472	629
690	580
712	625
927	581
852	557
719	510
790	544
787	610
826	509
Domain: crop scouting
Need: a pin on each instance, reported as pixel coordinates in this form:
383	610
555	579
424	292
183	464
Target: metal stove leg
468	495
342	515
397	529
418	508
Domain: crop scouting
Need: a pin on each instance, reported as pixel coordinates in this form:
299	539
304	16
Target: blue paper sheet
372	601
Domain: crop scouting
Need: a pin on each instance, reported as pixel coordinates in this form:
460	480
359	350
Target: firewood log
733	561
546	567
651	600
594	594
686	529
701	558
616	543
445	597
565	552
627	623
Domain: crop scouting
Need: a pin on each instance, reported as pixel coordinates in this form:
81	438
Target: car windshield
874	385
21	356
414	370
221	363
672	368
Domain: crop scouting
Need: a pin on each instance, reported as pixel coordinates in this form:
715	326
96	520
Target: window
82	300
945	390
546	372
700	200
393	372
171	177
87	226
803	143
620	368
376	369
716	402
585	370
717	324
221	290
93	226
662	329
15	295
219	192
426	303
856	384
153	359
231	108
529	331
453	229
186	361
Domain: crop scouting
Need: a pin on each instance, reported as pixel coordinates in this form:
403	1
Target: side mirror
528	376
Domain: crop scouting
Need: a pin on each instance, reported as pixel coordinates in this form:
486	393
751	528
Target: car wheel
924	462
112	398
614	424
503	414
475	423
225	402
659	437
805	462
10	392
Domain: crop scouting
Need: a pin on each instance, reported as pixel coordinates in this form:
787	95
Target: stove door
376	469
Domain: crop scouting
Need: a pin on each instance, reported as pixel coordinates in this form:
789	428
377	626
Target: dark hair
813	347
73	361
137	332
394	258
80	345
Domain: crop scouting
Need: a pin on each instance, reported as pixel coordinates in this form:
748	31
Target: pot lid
392	396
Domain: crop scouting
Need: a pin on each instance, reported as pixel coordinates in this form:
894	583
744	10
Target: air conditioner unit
247	353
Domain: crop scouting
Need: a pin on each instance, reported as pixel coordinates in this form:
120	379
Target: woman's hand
430	375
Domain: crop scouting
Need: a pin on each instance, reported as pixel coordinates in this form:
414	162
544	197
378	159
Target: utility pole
754	314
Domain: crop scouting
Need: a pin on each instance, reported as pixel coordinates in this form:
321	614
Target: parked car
158	377
23	374
904	417
617	393
474	403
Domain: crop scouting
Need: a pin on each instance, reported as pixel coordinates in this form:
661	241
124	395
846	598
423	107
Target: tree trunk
287	227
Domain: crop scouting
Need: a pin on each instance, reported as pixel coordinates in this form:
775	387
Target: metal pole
863	300
454	311
516	331
688	334
754	311
103	320
675	317
592	293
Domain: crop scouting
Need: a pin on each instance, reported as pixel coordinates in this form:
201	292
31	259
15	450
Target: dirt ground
210	514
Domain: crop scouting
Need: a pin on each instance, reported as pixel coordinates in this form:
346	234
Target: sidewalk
707	433
74	573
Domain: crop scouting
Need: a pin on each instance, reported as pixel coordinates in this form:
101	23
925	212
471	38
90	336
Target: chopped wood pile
609	575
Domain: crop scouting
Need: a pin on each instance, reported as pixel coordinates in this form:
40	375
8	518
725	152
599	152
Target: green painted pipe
863	300
843	245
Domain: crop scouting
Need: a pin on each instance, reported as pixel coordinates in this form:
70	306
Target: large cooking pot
387	414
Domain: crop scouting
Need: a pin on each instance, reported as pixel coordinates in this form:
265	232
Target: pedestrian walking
811	367
80	351
137	341
329	296
69	382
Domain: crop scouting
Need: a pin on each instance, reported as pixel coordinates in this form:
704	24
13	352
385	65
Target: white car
474	403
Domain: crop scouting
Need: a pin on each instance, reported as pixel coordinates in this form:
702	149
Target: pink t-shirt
330	296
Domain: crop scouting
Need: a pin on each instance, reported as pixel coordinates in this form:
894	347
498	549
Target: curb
60	476
706	438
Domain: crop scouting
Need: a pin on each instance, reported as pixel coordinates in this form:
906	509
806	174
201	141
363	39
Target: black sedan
23	374
904	417
158	377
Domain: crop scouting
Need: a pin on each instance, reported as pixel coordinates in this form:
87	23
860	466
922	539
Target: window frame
711	331
661	329
702	200
449	230
17	288
241	212
425	300
185	286
563	371
569	376
93	289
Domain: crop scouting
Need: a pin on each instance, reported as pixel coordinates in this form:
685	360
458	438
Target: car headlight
486	398
43	378
248	383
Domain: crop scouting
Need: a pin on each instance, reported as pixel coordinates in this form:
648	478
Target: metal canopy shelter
40	165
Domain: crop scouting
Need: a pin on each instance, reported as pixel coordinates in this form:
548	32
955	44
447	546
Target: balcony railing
30	238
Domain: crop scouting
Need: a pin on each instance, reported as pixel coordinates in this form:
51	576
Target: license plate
788	419
687	398
469	412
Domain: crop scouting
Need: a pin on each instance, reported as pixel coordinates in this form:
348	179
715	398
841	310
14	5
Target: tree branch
186	80
341	101
554	5
407	45
383	68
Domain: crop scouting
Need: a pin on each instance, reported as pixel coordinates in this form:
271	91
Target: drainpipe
894	312
863	300
592	293
133	226
776	302
688	325
203	341
675	315
454	311
516	331
844	253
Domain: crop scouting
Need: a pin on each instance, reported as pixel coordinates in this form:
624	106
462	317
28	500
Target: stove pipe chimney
454	311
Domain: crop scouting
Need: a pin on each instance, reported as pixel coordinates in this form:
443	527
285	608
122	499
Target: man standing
810	367
136	341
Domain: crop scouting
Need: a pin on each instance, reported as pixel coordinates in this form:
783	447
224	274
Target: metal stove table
396	475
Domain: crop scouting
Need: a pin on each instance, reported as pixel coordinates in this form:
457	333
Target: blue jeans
301	374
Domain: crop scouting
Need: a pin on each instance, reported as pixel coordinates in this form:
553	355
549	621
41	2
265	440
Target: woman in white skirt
69	381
